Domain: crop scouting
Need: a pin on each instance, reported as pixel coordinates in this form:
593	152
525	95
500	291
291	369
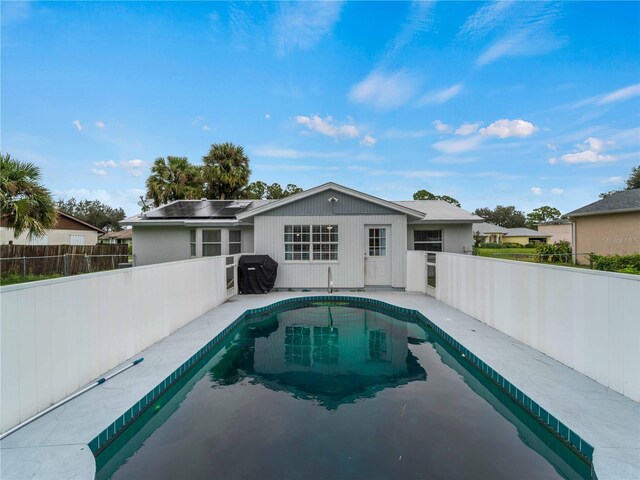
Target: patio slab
54	446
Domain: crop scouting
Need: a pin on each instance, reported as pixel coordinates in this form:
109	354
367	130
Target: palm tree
174	178
225	171
25	205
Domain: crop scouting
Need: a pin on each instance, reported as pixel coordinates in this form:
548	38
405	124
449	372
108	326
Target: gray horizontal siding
319	204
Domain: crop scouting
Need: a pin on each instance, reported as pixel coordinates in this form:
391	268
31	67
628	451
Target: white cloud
104	164
613	180
327	126
621	94
100	124
441	127
300	26
267	116
99	172
553	161
456	145
368	141
78	125
509	128
384	91
591	151
442	96
206	128
467	129
557	191
523	31
486	18
536	190
133	167
413	173
552	146
418	21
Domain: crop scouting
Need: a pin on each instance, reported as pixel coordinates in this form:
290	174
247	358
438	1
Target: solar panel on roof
199	209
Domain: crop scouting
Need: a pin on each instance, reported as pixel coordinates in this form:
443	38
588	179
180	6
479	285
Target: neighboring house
524	236
489	233
362	238
609	226
122	236
560	230
68	231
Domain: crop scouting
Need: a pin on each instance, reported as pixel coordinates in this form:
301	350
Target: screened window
427	240
235	241
211	243
192	242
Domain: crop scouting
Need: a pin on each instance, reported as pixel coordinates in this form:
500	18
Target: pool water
331	392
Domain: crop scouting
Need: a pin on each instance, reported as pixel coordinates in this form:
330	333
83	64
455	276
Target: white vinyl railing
58	335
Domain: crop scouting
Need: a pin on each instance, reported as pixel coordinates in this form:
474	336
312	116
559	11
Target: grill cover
256	273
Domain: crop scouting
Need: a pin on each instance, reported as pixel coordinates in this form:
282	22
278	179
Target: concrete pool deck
55	446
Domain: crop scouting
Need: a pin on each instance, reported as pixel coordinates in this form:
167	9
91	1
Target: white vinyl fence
58	335
588	320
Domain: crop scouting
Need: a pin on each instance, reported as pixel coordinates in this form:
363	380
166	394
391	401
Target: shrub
616	263
559	252
512	245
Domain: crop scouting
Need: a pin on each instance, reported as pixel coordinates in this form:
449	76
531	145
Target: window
311	242
297	345
378	345
377	242
211	243
192	242
427	240
235	241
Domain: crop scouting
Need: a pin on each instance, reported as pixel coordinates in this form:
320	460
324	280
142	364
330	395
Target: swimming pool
339	389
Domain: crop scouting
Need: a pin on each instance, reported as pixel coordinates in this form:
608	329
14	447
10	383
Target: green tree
631	183
93	212
225	171
25	204
427	195
505	216
634	178
541	215
256	190
174	178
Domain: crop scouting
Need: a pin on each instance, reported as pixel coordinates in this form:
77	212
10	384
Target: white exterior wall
56	335
587	320
348	271
53	237
416	271
457	238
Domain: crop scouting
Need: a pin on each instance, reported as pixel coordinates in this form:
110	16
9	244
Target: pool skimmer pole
70	397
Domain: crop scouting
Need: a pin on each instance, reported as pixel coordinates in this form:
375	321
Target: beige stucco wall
519	240
608	234
559	232
53	237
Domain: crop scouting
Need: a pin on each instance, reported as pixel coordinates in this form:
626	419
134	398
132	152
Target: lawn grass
14	278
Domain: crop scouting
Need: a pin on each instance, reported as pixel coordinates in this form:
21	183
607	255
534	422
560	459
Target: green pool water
330	392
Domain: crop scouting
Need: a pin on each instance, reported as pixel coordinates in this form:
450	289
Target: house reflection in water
332	355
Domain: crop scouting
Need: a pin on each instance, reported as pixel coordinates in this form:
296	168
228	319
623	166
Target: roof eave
603	212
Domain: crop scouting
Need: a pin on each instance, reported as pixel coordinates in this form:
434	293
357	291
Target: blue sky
513	103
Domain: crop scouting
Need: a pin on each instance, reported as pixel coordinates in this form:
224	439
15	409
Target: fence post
24	266
86	263
66	264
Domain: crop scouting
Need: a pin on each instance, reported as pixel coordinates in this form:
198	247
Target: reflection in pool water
335	392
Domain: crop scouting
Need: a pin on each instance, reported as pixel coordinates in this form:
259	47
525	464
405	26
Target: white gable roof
439	211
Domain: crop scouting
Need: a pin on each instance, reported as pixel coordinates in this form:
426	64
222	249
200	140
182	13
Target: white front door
377	266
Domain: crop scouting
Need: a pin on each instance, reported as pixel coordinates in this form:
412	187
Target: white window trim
311	243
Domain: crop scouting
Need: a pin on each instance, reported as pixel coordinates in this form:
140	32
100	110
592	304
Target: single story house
560	230
69	230
610	226
121	236
362	238
489	233
524	236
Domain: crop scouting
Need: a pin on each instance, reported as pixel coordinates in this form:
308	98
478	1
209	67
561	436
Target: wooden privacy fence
62	259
